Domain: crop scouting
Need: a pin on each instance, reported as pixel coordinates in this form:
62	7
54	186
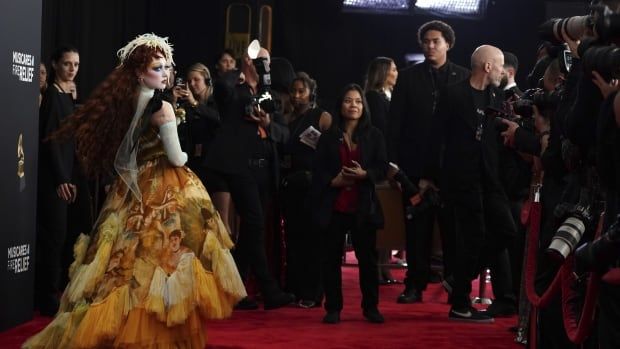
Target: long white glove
172	147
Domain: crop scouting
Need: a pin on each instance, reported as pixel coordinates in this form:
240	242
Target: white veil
125	162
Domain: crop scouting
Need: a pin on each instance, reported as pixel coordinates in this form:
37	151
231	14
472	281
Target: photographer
242	161
592	125
547	142
467	170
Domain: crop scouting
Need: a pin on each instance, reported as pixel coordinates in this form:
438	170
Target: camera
521	110
598	254
575	221
600	21
574	27
603	59
263	99
179	82
524	121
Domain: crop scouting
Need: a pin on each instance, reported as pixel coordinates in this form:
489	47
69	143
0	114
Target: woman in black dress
303	277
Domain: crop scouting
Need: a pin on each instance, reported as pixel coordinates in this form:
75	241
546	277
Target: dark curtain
333	47
99	28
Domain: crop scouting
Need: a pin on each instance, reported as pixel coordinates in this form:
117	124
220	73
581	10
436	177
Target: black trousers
364	244
481	216
249	192
418	245
58	226
517	249
303	245
51	236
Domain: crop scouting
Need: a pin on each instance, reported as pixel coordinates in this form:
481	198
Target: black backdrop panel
20	23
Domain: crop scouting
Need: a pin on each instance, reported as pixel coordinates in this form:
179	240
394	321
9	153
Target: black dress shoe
332	317
374	316
409	295
279	300
246	304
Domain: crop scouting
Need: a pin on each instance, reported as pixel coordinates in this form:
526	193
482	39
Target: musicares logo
23	66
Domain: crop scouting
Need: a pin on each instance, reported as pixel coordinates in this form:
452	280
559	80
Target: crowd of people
214	184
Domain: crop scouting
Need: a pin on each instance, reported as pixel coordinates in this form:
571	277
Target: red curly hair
99	126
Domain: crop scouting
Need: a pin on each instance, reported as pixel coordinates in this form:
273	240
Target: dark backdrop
332	46
20	25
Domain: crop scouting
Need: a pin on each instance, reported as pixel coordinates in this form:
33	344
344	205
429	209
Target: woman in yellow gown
157	263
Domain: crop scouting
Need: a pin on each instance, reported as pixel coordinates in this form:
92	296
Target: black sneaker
469	315
332	317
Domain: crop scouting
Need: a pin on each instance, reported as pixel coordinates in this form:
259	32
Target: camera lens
566	238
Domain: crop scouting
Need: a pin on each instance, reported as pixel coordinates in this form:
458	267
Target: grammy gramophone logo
21	162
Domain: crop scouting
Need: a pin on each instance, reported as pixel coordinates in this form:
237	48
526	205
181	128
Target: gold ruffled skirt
153	271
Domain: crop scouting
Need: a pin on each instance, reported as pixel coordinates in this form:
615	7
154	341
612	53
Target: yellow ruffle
103	320
87	276
173	298
51	336
216	249
143	331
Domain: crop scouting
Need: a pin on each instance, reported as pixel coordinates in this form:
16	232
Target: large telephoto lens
566	238
574	27
603	59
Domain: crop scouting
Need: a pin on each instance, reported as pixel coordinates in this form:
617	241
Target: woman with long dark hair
349	162
157	264
381	77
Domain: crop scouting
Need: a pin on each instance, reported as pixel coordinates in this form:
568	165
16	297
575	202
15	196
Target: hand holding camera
260	116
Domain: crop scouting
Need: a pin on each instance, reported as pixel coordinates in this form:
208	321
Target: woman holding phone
348	163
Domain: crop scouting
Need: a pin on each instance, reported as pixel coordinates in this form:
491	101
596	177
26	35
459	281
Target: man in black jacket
467	171
414	102
242	160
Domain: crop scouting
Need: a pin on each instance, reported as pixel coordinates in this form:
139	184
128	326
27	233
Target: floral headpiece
149	40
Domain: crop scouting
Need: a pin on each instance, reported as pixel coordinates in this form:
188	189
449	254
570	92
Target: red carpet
407	326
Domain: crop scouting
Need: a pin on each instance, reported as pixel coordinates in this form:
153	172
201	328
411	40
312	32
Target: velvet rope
531	263
578	330
577	327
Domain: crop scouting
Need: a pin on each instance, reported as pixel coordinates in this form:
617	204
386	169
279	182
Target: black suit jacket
327	164
237	139
455	157
413	104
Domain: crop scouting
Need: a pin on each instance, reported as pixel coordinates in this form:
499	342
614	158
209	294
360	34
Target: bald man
462	157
